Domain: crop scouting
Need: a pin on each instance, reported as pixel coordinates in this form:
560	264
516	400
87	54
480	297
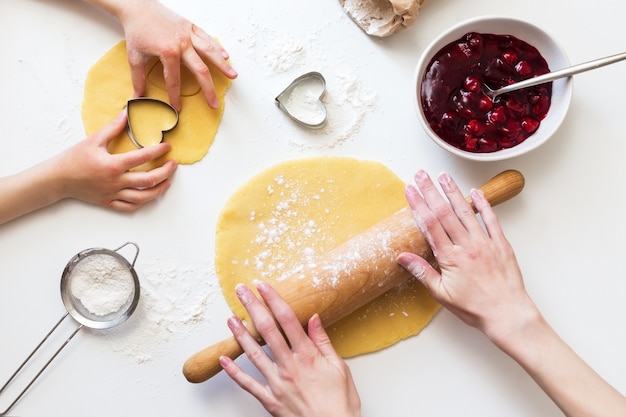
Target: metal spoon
550	76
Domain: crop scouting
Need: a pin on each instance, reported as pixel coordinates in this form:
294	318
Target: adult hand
480	280
88	172
306	377
481	283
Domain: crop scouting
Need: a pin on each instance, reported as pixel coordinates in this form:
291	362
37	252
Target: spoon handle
574	69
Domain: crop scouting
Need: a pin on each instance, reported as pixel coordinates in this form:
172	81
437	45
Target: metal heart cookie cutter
148	119
302	100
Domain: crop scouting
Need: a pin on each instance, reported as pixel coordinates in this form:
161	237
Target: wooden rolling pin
350	275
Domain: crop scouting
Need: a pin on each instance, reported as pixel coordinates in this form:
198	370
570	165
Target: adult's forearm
570	382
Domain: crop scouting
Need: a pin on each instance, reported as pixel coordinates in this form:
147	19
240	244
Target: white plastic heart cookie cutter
302	100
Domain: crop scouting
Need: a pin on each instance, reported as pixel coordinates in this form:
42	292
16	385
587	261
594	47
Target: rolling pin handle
502	187
205	364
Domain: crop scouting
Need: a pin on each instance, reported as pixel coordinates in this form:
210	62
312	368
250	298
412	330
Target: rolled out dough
286	216
108	87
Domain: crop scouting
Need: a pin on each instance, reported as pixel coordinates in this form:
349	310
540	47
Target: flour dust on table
175	298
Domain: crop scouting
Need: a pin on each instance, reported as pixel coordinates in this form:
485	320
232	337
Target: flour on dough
108	87
286	216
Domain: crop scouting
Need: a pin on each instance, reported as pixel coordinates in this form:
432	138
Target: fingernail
476	194
234	322
225	361
261	286
446	181
415	268
243	293
315	321
420	175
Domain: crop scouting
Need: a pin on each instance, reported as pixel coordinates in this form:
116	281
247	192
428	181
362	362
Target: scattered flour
284	54
277	232
286	235
175	298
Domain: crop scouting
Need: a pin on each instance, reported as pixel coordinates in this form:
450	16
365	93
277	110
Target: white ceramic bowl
547	46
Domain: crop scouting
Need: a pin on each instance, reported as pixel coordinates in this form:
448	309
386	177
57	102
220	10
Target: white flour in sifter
102	284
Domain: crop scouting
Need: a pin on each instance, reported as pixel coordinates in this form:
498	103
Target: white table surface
566	226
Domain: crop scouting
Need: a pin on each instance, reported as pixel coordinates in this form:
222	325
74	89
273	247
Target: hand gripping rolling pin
350	275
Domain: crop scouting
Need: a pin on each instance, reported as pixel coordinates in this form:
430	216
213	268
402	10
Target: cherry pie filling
456	107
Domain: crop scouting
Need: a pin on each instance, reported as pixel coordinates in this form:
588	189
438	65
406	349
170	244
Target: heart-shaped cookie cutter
301	100
147	100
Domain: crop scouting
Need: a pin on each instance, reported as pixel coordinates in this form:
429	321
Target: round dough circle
108	88
294	211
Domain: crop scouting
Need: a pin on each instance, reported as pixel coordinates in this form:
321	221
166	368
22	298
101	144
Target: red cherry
541	107
524	69
475	41
510	56
471	142
476	127
485	103
488	145
529	124
510	128
516	106
473	84
466	50
497	115
448	123
507	142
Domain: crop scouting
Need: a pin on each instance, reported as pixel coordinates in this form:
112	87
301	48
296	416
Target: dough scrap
287	215
382	17
108	87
